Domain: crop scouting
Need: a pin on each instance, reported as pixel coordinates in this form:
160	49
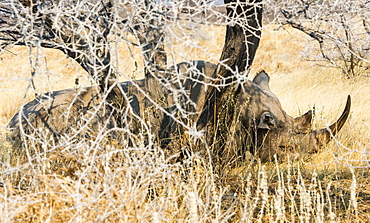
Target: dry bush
339	31
96	178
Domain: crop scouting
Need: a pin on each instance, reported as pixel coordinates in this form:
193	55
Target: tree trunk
75	37
240	47
149	30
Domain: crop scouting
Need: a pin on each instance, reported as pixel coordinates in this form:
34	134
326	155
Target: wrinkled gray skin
266	128
272	131
66	111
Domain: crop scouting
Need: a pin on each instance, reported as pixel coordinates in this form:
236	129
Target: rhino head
270	130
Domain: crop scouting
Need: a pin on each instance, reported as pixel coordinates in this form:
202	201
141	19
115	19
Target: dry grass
95	180
302	85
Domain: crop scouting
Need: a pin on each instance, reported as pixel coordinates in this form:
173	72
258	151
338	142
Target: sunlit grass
96	180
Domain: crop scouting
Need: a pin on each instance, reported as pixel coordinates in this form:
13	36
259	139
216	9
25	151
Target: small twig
17	188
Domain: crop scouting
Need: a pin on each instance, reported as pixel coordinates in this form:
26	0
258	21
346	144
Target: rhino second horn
323	136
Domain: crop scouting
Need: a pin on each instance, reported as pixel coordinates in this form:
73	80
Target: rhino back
53	109
195	75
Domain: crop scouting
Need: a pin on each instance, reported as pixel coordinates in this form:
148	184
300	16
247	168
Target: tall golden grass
93	180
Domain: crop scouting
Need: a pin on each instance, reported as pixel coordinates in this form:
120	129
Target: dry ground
319	187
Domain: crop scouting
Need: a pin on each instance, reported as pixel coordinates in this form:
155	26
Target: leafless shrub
340	29
110	159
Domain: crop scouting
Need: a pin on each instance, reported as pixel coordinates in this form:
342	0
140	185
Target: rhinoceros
271	130
266	128
78	110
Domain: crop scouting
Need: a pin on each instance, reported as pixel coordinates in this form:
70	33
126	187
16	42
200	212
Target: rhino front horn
324	135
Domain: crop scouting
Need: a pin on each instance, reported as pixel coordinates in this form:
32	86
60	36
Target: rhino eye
269	120
266	121
286	147
294	132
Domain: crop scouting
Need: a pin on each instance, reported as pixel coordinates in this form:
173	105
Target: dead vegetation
98	179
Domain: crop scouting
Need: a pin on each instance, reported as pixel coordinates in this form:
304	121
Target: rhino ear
266	121
302	124
262	80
